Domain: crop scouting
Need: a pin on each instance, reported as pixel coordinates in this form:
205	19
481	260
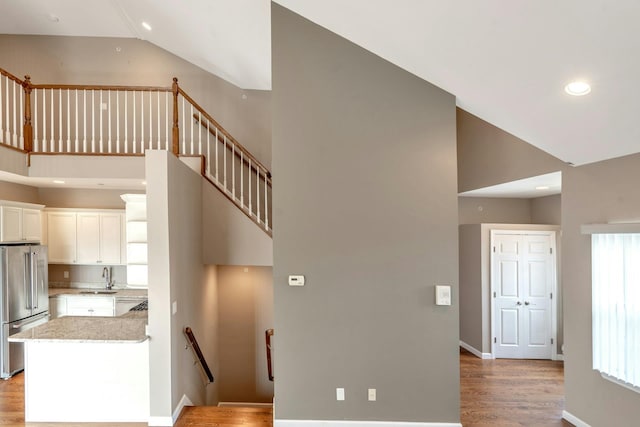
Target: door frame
554	285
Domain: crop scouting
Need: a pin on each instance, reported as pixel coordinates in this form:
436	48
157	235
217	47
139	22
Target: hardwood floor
507	392
497	393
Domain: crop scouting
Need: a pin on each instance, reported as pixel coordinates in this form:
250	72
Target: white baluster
266	204
224	154
150	122
60	146
191	120
44	120
199	133
142	122
36	143
84	121
126	123
76	116
93	121
233	170
258	195
53	143
7	137
249	185
217	161
241	179
101	127
166	120
208	171
14	123
109	122
68	121
158	116
184	131
135	149
1	106
118	121
20	128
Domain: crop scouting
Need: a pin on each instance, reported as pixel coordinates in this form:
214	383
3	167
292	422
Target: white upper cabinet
20	222
96	238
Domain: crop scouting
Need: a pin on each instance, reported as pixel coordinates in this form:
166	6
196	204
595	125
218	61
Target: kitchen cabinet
99	238
90	306
123	304
20	222
57	307
86	237
136	238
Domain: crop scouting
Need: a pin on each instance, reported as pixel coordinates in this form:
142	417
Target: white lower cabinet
90	306
123	305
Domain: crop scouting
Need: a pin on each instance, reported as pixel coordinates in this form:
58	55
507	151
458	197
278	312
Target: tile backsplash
85	276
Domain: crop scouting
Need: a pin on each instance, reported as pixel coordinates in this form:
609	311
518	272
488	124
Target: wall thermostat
443	295
296	280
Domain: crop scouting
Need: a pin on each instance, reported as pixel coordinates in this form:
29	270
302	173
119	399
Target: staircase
49	119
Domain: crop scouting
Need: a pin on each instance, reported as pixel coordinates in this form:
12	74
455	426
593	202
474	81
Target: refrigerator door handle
34	320
27	281
34	280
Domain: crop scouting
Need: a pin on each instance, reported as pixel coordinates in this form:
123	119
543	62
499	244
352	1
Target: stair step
210	416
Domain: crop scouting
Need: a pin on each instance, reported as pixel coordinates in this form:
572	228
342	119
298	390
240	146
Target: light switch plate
339	394
443	295
296	280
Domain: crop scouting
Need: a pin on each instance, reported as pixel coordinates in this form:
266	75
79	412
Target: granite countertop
123	329
128	293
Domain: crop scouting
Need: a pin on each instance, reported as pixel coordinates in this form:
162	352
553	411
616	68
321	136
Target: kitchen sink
98	292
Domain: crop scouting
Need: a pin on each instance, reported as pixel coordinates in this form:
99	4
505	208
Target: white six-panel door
523	276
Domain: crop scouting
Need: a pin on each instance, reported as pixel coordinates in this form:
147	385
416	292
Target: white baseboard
160	421
185	401
339	423
574	420
244	405
475	352
559	357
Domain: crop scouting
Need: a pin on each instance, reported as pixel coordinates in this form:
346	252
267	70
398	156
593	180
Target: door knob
526	303
518	303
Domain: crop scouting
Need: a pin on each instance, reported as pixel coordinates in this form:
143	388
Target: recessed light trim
578	88
144	182
146	26
58	181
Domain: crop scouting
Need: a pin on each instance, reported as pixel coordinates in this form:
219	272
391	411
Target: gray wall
94	60
245	297
488	155
82	198
597	193
476	210
546	210
471	289
18	192
177	276
229	237
366	208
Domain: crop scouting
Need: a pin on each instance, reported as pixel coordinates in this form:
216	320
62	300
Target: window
616	307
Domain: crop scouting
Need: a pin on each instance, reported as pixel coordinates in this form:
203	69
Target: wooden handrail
10	76
268	334
254	164
98	87
196	349
225	133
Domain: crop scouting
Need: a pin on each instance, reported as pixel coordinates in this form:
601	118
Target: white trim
475	351
185	401
574	420
244	405
160	421
339	423
554	284
559	357
623	227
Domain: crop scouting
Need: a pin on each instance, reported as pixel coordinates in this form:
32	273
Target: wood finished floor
497	393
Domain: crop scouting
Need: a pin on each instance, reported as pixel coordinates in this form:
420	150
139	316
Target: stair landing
210	416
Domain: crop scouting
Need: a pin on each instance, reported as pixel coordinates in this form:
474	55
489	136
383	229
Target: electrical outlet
65	274
372	395
339	394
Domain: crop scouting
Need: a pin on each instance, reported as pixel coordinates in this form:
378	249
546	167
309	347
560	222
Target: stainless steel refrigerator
24	299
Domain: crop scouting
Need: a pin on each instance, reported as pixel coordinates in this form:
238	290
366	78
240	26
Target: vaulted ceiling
506	61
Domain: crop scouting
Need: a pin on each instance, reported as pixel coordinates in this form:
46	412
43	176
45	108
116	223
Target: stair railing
193	343
126	121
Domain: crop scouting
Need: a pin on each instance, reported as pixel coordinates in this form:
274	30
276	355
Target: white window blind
616	307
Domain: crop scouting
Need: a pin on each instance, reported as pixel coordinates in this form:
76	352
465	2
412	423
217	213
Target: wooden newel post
28	127
175	131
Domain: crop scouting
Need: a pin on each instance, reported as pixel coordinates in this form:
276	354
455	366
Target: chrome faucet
106	274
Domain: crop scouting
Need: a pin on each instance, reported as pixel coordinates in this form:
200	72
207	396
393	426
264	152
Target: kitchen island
87	369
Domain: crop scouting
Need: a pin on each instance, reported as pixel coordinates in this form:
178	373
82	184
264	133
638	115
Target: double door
523	280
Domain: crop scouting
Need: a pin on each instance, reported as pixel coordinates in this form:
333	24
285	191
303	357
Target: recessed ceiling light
542	187
146	26
58	181
144	182
577	88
